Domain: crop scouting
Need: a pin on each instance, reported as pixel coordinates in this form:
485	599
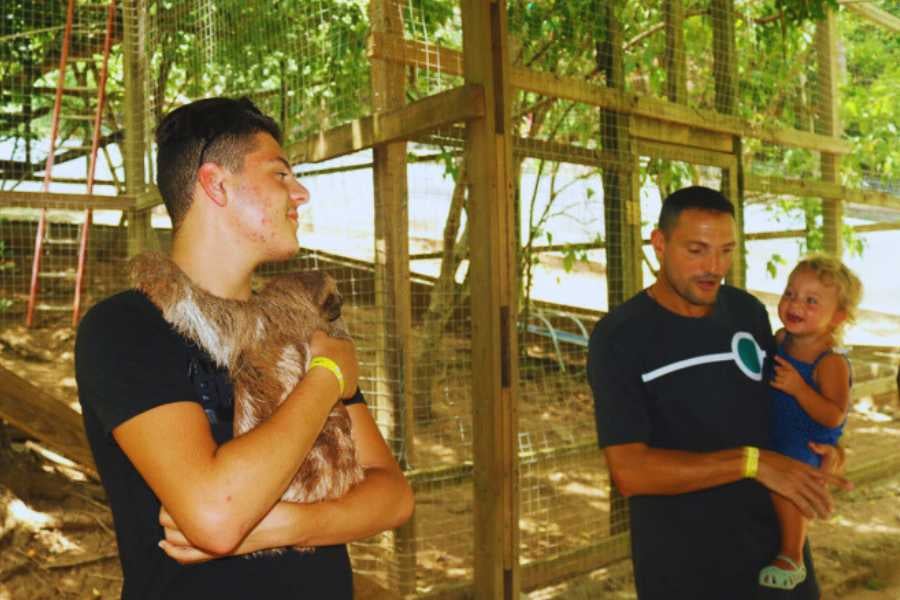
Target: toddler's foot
782	574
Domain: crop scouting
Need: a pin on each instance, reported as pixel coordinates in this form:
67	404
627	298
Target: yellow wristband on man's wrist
327	363
751	461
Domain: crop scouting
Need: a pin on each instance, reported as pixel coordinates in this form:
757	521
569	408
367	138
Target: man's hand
787	378
800	483
341	352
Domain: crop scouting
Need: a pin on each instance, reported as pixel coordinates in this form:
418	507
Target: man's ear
658	241
211	178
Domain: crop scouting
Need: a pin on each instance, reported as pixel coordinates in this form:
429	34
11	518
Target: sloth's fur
264	344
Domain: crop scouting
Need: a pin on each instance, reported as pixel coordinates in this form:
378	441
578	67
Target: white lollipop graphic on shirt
745	353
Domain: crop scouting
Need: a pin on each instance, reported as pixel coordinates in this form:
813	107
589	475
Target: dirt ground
56	537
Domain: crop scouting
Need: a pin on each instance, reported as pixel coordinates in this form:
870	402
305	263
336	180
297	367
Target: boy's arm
827	407
217	494
383	500
638	469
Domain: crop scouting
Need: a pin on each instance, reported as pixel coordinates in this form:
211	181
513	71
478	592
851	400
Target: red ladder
40	238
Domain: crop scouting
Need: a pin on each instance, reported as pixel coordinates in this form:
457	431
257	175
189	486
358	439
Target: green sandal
776	577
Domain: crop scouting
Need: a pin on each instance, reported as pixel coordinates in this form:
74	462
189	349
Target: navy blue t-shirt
693	384
128	360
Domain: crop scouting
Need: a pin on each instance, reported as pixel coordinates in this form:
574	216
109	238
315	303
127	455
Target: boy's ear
840	315
211	178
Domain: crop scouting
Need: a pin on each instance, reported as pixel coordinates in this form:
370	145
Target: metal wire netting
591	161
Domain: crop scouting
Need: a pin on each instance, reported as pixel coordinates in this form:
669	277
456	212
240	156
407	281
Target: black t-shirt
694	384
128	360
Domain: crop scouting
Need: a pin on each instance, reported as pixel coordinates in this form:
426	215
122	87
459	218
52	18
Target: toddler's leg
793	531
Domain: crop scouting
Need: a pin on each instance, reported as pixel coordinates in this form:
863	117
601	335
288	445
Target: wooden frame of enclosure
666	129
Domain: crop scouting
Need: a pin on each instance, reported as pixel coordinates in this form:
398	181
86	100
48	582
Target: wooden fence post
393	400
493	266
829	124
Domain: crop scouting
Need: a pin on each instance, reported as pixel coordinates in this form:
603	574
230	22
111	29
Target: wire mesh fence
747	94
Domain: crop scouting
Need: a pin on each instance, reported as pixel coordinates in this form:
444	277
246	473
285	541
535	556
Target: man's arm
638	469
383	500
217	494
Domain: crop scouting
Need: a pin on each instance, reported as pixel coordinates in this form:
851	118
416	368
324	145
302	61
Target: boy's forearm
248	474
382	501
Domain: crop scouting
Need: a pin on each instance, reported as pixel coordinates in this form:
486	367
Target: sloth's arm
217	494
383	500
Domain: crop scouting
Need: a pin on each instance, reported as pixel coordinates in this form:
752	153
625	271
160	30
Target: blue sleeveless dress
792	428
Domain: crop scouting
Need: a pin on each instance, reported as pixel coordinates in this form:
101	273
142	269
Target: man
158	412
682	410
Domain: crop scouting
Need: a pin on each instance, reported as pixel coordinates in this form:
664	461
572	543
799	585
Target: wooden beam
820	189
578	90
694	156
394	48
874	387
869	11
677	133
66	201
48	420
795	233
535	148
453	106
494	268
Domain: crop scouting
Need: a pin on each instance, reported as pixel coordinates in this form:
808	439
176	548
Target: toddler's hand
786	378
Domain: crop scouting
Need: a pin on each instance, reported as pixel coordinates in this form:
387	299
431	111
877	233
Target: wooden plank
577	90
534	148
795	233
874	387
494	269
685	154
65	201
48	420
677	133
869	11
820	189
453	106
394	48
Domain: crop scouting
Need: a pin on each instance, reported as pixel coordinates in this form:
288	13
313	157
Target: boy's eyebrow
282	160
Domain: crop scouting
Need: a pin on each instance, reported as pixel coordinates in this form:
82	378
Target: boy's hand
834	460
787	379
342	352
176	546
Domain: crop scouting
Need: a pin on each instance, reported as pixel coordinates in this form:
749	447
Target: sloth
264	344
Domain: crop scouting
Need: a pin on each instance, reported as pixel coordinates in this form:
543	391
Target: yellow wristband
751	461
327	363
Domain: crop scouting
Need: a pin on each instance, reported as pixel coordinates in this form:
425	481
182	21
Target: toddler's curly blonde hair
832	272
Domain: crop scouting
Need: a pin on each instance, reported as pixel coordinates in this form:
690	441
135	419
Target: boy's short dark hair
696	197
218	130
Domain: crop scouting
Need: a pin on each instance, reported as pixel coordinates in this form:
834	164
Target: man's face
696	254
263	199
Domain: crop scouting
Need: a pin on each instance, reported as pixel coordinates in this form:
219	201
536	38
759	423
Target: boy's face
808	306
263	198
696	254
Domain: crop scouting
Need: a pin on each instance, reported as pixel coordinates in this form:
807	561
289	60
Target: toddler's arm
828	407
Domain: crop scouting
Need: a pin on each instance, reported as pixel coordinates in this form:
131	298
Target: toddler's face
808	306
